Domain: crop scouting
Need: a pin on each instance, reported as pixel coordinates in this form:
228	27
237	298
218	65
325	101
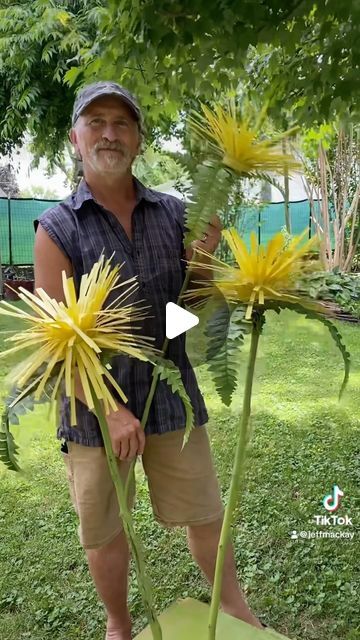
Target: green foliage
310	140
210	194
177	54
157	169
39	192
300	57
341	288
167	370
225	339
39	41
309	67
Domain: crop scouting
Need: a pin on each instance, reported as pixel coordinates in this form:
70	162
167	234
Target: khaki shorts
183	486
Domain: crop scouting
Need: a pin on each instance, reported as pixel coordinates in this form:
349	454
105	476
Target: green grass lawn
303	442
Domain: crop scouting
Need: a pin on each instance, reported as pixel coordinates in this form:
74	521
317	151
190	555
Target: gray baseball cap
91	92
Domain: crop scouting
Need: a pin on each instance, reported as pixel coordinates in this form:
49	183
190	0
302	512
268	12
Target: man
112	212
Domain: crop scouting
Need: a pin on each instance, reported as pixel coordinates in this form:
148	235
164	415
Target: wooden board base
188	620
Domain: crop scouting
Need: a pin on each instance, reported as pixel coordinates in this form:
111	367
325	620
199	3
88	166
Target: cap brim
102	95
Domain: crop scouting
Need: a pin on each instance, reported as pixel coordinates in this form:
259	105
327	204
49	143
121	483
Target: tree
157	169
332	163
39	41
177	53
39	192
173	54
8	181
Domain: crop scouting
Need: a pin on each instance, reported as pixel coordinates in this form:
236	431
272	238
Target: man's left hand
210	239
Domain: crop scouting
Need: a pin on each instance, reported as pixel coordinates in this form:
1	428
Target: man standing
113	213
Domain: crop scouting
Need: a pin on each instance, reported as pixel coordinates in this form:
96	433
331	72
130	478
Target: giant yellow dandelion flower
259	275
73	336
238	143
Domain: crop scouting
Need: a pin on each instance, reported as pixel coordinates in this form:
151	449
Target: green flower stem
155	378
236	479
134	542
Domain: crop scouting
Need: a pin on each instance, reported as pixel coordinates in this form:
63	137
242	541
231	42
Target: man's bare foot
117	632
244	614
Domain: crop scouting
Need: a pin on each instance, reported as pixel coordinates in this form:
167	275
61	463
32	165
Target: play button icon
178	320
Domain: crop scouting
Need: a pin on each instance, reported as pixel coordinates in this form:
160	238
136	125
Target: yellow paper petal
85	384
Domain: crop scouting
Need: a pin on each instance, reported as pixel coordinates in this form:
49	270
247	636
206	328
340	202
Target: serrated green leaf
8	447
167	371
209	195
337	337
63	17
224	353
216	330
72	74
17	404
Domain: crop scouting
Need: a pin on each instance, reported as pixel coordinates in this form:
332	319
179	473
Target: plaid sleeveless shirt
83	229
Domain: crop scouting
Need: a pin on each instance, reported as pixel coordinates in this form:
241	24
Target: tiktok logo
332	501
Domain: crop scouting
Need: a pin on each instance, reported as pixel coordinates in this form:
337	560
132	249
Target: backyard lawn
304	441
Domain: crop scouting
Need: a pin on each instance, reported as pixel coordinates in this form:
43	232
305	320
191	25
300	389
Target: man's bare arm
49	262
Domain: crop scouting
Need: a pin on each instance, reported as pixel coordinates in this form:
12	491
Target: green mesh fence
269	219
17	228
4	230
17	224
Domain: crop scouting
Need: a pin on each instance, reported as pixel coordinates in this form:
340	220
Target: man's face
107	137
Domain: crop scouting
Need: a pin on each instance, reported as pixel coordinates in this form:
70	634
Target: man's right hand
126	433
